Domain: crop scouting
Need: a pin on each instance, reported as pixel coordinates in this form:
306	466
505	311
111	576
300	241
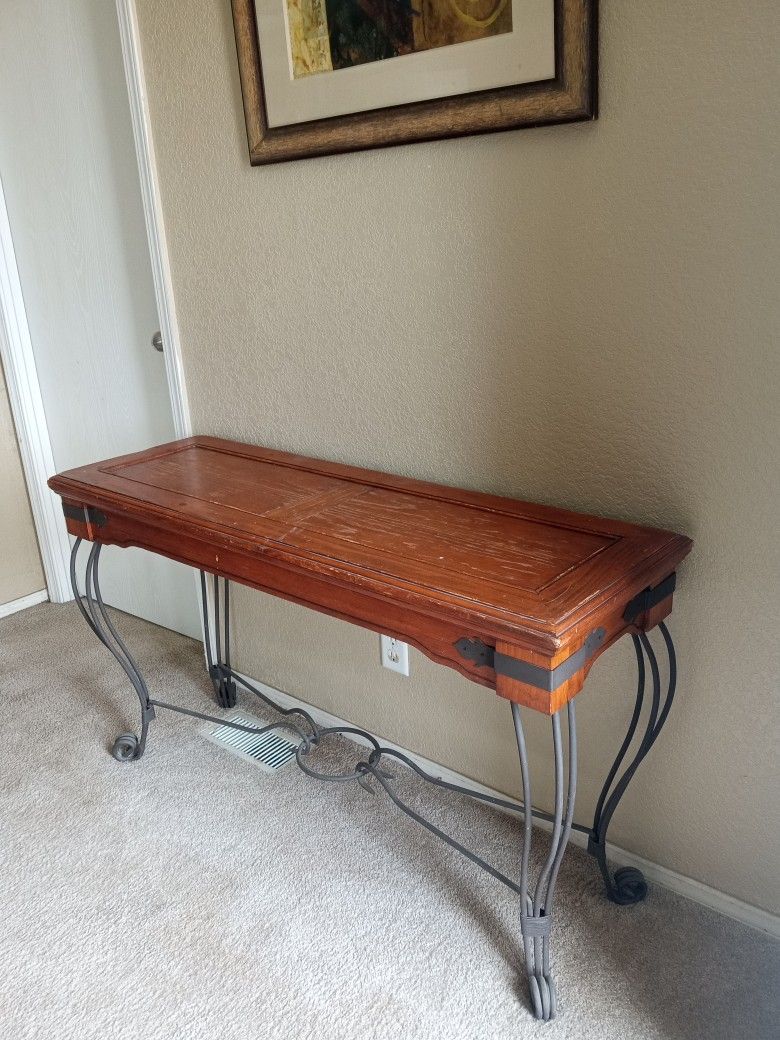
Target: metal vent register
269	751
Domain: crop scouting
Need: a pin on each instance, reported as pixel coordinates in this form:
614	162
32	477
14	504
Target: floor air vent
269	751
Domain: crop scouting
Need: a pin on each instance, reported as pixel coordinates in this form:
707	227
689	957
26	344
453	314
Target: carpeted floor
192	896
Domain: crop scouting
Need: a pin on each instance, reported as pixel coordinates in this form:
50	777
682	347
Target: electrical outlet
394	654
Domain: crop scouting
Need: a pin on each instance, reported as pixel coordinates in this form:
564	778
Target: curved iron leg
225	688
628	885
536	910
127	747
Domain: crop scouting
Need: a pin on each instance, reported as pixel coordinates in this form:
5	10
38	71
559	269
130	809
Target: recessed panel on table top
251	486
460	541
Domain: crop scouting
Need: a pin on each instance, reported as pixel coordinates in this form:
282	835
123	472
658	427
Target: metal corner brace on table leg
628	885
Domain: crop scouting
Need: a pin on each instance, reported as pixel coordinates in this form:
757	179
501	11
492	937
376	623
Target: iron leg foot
628	885
125	747
225	689
128	747
543	996
227	694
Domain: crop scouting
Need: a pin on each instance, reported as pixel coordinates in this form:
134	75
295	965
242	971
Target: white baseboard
22	604
752	916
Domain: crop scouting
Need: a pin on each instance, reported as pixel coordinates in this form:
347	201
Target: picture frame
568	95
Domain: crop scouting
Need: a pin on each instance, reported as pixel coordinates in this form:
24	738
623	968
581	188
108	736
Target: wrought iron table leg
127	747
628	885
536	909
219	670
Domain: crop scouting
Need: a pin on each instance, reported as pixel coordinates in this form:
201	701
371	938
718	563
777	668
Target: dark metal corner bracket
85	515
650	597
548	679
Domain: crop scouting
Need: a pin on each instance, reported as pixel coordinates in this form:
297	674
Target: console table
521	598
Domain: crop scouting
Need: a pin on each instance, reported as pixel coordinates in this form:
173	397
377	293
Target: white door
69	171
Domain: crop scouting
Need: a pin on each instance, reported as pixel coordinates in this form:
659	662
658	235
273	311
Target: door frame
132	59
16	349
32	431
153	214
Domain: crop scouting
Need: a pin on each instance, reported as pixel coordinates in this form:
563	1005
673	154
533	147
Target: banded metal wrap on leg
536	911
369	772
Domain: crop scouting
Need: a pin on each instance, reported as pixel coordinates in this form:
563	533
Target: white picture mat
526	55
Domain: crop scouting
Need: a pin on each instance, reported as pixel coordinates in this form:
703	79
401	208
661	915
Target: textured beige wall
21	573
581	315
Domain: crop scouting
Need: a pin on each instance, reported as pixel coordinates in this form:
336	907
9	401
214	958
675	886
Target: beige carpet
192	896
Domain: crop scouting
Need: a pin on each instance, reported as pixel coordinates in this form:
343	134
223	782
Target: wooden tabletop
432	565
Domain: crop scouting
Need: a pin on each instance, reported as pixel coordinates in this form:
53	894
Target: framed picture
324	76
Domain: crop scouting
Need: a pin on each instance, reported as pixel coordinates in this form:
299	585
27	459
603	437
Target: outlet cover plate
394	654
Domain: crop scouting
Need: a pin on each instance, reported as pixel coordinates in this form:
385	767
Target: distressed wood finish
426	563
569	97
